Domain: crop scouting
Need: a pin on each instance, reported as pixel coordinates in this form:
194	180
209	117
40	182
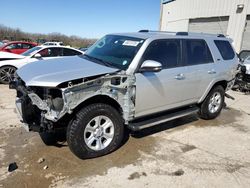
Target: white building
228	17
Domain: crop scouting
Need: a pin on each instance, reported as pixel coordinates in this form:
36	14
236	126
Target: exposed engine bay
242	81
45	109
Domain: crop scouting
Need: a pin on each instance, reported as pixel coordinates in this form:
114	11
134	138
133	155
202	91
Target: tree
7	33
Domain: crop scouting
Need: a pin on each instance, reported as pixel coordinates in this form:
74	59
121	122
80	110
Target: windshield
1	44
31	51
115	51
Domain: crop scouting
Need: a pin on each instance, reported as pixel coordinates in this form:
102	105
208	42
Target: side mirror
150	66
38	56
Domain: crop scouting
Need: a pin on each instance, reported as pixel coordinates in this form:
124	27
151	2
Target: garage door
246	36
215	25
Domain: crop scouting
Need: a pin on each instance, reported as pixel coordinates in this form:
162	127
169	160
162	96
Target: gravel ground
187	152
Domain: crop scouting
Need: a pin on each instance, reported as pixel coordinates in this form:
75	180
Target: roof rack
151	31
182	33
143	31
221	35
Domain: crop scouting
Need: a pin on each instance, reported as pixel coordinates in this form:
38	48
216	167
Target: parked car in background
17	47
244	54
247	60
9	56
5	41
53	44
8	67
127	80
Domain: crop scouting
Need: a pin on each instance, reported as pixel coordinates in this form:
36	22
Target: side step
162	119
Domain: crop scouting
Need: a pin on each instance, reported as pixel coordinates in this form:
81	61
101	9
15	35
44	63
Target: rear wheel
95	131
7	74
212	105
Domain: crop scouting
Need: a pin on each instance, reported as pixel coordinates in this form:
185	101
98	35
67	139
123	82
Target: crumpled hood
51	73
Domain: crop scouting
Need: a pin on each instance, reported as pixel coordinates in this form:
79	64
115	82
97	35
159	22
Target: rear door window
225	49
167	52
69	52
197	52
19	46
26	46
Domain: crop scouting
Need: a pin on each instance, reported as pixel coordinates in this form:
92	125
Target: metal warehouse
228	17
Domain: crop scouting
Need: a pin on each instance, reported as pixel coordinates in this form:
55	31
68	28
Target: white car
247	60
9	67
52	44
9	56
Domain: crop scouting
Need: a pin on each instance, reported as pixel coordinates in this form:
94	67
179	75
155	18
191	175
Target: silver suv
125	81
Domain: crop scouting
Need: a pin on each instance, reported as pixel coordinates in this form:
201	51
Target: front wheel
95	131
213	103
7	74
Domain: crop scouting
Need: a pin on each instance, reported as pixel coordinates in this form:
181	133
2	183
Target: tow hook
229	96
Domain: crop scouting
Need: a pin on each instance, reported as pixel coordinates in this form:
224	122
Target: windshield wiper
108	64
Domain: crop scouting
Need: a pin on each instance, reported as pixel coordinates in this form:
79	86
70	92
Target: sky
84	18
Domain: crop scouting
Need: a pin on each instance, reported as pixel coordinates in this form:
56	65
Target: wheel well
100	99
8	66
221	83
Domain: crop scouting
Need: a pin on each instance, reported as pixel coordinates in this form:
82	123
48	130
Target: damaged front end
242	81
47	109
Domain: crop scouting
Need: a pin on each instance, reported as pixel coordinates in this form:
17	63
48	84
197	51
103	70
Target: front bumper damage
19	109
39	112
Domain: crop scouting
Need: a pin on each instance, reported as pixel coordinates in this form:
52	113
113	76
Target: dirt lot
188	152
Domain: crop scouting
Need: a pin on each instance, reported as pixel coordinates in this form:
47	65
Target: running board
162	119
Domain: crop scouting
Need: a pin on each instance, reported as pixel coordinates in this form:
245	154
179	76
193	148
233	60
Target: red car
17	47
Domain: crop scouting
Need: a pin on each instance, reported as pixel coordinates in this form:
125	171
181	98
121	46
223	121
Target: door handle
211	71
180	77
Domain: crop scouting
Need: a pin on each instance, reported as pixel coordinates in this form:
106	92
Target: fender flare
211	85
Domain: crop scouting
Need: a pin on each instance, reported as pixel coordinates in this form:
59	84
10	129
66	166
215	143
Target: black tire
204	112
76	128
7	74
48	138
51	138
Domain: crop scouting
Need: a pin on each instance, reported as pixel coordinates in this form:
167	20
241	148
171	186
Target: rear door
198	62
